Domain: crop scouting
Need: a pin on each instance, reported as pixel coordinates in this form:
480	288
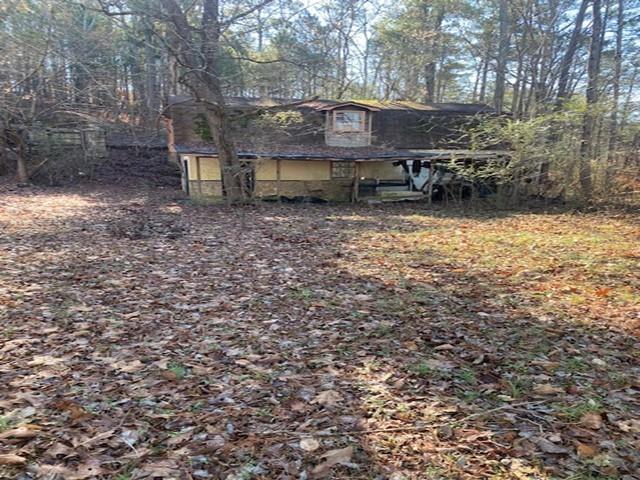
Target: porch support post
199	176
278	177
356	182
430	189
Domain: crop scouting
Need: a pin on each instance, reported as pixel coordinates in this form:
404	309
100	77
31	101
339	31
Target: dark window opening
342	170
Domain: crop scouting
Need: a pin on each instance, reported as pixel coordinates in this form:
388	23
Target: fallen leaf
57	449
130	437
96	439
297	406
128	366
548	446
19	415
89	469
479	359
603	292
331	459
309	444
168	375
180	438
631	425
444	346
586	451
547	389
327	398
437	364
44	360
12	459
446	432
555	437
158	469
592	420
25	431
361	297
411	345
53	471
75	411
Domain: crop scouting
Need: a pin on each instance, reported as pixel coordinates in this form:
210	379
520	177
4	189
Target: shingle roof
323	104
293	152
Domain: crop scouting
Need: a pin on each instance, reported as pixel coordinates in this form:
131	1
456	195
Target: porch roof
358	154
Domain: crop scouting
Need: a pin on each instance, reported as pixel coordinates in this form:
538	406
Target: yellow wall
266	169
209	167
314	170
380	170
305	170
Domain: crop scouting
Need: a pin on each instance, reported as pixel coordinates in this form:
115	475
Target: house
326	149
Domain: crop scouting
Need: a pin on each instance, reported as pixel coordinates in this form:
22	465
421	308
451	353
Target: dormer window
348	124
349	121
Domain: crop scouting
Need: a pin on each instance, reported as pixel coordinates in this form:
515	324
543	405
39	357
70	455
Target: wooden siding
203	168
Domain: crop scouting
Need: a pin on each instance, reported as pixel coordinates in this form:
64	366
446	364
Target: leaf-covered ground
144	336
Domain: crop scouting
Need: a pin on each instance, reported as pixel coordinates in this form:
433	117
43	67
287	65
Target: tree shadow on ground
426	357
426	336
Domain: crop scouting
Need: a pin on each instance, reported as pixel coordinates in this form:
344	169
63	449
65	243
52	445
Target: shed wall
297	178
305	170
266	169
209	167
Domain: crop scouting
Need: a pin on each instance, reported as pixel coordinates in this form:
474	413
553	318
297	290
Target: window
348	121
341	169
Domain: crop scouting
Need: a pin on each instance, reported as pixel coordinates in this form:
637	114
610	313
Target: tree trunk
483	80
4	163
430	68
567	59
22	174
429	82
516	89
503	51
153	95
204	82
613	127
624	114
233	177
589	122
476	82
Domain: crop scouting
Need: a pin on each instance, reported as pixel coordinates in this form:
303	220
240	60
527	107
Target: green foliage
5	423
422	369
576	411
283	119
179	370
544	155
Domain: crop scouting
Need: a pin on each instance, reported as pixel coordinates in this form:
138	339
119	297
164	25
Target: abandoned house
331	150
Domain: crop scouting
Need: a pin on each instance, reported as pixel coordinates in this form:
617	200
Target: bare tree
193	38
569	55
202	78
503	51
589	122
430	68
617	73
